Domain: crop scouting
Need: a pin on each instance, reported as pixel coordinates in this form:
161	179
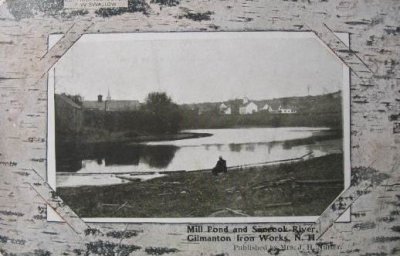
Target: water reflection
254	145
75	157
158	157
235	147
250	147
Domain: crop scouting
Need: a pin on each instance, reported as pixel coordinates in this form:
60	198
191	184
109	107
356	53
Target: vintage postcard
169	127
199	125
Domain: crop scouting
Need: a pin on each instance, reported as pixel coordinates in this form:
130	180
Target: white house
266	107
224	109
287	110
228	111
248	108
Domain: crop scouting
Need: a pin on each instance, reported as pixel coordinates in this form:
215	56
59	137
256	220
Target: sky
198	67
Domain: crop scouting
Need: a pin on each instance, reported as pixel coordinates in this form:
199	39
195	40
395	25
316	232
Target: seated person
220	166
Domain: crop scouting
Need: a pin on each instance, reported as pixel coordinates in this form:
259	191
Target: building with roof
287	110
266	107
248	108
68	114
224	109
111	105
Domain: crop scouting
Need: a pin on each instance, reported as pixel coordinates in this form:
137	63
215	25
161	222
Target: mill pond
116	163
155	162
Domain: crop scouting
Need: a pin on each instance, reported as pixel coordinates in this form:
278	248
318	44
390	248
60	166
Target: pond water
241	146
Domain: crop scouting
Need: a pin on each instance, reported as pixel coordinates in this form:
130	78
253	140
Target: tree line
161	115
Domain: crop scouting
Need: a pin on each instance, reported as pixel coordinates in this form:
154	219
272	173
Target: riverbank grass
294	189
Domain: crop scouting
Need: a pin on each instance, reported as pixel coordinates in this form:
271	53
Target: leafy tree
164	115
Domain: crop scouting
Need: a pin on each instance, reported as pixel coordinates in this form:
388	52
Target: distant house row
250	107
69	109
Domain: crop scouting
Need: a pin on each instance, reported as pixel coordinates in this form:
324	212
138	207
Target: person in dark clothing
220	166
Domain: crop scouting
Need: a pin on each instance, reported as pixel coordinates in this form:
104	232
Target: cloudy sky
198	67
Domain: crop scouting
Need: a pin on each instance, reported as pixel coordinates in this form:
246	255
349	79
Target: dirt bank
303	188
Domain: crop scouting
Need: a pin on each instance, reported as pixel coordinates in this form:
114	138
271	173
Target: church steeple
108	95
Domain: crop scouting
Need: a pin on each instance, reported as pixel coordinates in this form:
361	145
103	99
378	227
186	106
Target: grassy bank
303	188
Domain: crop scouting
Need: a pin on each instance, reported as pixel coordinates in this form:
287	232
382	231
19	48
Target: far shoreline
127	137
123	138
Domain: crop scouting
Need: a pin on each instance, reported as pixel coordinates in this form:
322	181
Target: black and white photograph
199	125
205	128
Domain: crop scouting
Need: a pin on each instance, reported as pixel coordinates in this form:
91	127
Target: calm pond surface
241	146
